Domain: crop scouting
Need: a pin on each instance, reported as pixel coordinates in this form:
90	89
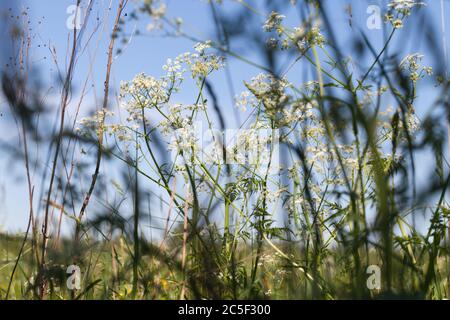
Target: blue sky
147	53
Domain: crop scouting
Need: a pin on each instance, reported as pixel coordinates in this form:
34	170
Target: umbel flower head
411	63
404	6
145	92
273	22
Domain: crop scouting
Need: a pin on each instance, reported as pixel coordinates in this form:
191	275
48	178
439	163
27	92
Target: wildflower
270	91
398	24
172	66
96	122
175	71
201	47
272	43
404	6
412	121
147	91
312	38
411	63
388	17
185	140
158	12
178	21
285	44
274	21
245	99
122	133
263	84
200	63
428	70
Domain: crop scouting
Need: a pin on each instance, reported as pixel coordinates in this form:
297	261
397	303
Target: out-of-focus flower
273	22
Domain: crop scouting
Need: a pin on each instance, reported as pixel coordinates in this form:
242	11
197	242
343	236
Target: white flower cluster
386	124
312	38
185	140
177	117
269	91
174	69
399	10
404	7
300	37
95	123
249	146
157	12
146	91
274	22
411	63
202	64
245	99
301	119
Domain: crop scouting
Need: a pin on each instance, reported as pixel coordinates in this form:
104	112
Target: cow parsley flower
201	47
404	7
244	100
201	65
95	123
412	64
270	91
397	24
273	22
